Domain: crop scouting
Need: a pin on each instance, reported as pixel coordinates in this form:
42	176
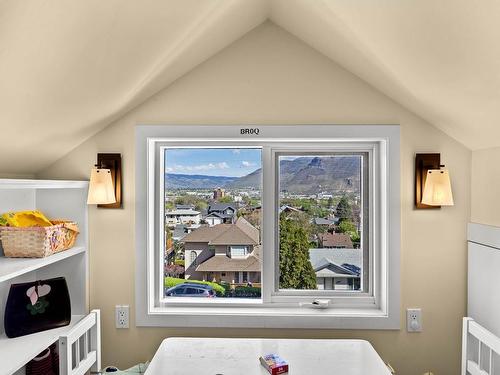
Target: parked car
190	290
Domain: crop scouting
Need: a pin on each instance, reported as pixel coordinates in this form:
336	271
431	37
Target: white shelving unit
58	200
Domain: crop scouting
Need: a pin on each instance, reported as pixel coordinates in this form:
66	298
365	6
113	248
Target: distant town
213	235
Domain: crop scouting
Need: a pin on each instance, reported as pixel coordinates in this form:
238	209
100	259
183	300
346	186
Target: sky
230	162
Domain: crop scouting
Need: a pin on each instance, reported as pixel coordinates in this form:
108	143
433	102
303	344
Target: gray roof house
226	211
323	221
337	268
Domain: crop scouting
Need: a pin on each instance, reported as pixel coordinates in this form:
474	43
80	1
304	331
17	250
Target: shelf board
16	352
13	267
7	183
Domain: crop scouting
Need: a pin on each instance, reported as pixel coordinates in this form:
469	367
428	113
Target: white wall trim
484	234
362	315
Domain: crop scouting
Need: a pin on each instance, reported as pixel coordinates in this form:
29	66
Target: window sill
259	316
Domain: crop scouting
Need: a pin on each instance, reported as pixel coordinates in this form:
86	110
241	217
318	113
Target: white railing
480	347
80	349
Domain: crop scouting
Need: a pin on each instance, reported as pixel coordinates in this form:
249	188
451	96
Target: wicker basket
38	242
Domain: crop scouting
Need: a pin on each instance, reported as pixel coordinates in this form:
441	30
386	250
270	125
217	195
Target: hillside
186	181
307	175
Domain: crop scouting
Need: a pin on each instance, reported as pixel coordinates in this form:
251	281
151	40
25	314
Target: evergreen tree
344	210
296	271
330	202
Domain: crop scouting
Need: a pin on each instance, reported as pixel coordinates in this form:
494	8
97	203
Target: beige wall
485	186
269	77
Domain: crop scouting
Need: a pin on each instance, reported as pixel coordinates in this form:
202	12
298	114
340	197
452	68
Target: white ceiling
67	69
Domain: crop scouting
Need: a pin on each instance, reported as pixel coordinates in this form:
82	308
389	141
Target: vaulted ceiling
69	68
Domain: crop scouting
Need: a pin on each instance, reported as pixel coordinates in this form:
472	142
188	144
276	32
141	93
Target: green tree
344	210
226	199
330	202
348	227
296	271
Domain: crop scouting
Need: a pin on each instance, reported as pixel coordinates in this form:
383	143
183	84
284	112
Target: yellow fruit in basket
26	219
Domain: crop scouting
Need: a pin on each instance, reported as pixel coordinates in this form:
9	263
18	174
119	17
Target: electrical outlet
122	316
414	320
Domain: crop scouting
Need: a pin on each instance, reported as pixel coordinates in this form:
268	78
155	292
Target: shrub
247	291
173	270
179	262
173	281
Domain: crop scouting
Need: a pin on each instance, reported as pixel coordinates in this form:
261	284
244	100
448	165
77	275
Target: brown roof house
335	241
224	252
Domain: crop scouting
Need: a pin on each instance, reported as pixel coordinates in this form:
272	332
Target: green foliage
226	286
173	281
200	205
192	200
179	262
226	199
349	228
296	271
247	291
330	202
346	226
344	210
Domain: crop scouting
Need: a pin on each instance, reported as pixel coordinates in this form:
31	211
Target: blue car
191	290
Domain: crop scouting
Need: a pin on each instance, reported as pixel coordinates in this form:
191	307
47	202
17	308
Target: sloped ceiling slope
68	69
440	59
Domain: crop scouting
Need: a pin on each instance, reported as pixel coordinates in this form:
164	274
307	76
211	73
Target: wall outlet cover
122	316
414	320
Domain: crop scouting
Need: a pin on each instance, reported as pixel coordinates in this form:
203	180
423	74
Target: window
238	251
323	205
297	213
193	258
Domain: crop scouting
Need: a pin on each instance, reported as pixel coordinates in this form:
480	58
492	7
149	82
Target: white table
213	356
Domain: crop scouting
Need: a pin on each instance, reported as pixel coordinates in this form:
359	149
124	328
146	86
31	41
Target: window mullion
268	226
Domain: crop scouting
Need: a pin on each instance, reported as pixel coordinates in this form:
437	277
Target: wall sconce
432	184
105	182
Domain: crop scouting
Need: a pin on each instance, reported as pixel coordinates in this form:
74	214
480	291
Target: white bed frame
479	348
79	350
481	330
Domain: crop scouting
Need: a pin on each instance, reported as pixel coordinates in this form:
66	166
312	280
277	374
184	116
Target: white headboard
483	276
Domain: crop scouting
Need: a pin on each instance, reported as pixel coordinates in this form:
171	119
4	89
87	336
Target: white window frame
350	310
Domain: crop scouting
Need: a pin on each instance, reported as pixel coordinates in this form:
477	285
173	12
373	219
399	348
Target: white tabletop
214	356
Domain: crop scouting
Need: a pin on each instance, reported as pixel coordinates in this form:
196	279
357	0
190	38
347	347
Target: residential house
335	241
326	222
179	232
225	211
223	253
214	218
182	216
184	206
288	209
337	269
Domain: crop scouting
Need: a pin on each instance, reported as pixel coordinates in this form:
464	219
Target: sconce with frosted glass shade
107	192
101	190
432	184
437	189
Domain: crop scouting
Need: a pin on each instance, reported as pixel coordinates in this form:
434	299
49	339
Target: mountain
188	181
252	180
321	174
305	175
